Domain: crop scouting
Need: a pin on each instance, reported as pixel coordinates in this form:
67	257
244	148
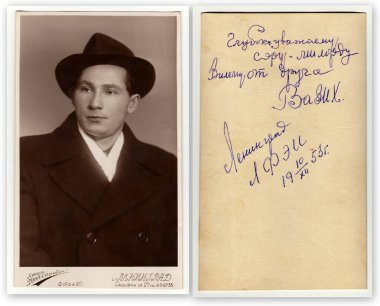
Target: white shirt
107	163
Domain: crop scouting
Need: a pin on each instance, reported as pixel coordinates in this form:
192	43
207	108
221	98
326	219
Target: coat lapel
134	182
72	166
75	171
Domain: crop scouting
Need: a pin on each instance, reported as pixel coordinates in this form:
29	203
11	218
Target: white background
180	300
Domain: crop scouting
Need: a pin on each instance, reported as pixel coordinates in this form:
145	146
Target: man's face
101	100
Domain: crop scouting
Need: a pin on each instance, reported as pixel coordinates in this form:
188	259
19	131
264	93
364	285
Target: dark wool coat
71	215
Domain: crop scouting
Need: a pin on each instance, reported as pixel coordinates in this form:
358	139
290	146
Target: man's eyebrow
81	82
112	85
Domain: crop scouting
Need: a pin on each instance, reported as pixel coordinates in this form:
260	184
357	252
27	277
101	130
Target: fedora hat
105	50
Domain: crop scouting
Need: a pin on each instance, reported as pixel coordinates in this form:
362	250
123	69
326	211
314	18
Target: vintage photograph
99	148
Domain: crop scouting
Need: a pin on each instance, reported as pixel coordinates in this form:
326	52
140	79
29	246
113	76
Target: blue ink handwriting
253	73
242	155
302	165
289	96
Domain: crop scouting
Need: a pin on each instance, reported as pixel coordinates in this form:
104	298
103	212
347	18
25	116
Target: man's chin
98	131
95	133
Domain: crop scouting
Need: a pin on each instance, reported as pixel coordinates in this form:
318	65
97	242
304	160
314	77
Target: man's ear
133	103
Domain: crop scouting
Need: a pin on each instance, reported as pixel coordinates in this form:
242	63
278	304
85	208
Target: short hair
130	83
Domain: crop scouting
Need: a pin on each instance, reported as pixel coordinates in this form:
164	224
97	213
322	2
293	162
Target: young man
91	193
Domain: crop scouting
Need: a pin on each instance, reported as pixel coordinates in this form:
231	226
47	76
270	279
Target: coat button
91	237
143	237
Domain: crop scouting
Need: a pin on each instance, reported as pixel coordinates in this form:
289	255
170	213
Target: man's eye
84	89
111	92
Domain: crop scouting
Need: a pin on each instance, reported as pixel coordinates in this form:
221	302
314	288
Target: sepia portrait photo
98	202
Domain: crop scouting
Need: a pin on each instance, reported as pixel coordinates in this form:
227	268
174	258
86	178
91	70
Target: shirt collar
107	163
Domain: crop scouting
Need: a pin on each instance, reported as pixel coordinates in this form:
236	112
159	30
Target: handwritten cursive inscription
318	57
295	76
251	40
323	94
242	155
286	152
214	73
302	165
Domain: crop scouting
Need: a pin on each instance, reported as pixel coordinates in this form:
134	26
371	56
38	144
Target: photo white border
195	136
185	134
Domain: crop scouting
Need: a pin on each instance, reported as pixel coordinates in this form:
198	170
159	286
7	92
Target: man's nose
96	102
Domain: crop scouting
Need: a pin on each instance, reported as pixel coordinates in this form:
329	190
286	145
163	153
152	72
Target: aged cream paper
283	151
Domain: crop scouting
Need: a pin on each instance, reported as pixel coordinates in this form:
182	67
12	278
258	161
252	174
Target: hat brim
69	69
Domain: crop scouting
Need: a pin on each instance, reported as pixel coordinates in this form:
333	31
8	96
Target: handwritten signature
323	94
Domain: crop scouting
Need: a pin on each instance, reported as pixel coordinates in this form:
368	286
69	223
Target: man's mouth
95	118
